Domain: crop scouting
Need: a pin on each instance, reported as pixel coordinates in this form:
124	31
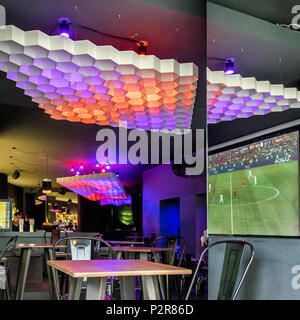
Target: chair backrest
45	236
167	242
181	251
10	245
152	238
229	286
83	248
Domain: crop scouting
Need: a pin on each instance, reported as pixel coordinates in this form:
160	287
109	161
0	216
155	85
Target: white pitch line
231	210
250	203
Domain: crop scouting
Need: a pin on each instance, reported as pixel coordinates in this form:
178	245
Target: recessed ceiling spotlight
64	27
142	48
229	66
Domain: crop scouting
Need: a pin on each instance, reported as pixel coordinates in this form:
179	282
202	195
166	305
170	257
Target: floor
40	291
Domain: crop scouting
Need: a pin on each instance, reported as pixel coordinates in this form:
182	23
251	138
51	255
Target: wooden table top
139	249
117	268
37	245
125	242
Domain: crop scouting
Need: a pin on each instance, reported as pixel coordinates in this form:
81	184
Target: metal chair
169	256
180	252
80	248
189	262
10	245
231	265
178	261
168	242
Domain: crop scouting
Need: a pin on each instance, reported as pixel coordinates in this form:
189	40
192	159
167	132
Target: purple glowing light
229	71
64	34
229	66
64	27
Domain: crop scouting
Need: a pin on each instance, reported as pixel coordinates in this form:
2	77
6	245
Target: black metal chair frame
168	257
240	282
96	248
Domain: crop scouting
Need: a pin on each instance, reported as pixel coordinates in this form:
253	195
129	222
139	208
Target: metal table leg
151	287
51	275
22	272
119	255
144	256
160	278
75	288
127	288
96	288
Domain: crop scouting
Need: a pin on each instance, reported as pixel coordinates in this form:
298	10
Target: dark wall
160	183
104	219
16	194
36	212
137	210
94	217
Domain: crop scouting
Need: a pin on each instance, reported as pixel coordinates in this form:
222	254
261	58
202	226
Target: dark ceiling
274	11
261	49
169	26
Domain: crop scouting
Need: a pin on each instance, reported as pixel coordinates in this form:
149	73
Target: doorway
169	217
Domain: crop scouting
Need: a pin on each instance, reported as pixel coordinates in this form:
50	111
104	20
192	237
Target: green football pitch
269	207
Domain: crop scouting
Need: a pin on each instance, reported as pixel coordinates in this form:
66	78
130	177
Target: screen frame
248	141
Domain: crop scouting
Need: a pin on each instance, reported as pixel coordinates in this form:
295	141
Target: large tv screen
253	189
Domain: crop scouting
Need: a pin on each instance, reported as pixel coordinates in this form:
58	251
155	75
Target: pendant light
47	183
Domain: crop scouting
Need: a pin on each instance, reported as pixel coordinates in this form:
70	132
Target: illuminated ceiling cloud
231	96
105	187
81	82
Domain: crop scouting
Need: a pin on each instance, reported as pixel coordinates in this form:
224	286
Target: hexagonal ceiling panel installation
81	82
99	186
231	96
